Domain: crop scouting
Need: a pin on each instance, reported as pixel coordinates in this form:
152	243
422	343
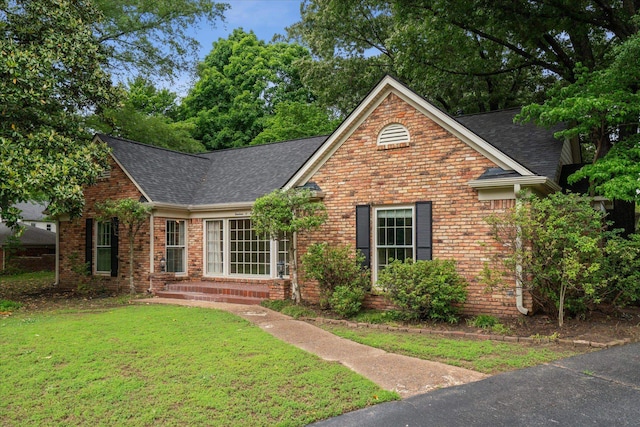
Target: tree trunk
293	271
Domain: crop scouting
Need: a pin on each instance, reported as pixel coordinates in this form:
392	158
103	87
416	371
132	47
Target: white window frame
274	252
374	239
182	244
101	245
223	253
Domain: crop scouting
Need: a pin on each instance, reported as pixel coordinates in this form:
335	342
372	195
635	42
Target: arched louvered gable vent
394	133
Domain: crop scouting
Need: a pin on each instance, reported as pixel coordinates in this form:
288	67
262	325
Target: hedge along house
399	178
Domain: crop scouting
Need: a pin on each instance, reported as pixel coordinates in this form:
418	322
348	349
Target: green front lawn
164	365
489	357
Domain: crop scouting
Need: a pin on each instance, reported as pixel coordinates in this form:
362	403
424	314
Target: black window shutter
88	244
114	247
423	231
363	233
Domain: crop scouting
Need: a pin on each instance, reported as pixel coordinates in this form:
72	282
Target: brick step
203	296
259	291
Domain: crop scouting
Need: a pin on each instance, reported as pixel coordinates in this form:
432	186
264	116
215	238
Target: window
394	235
283	253
248	252
103	247
215	247
394	133
48	227
176	253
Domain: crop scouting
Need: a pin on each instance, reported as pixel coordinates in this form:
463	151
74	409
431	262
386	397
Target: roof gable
473	132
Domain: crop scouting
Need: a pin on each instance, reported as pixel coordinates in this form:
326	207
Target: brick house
399	178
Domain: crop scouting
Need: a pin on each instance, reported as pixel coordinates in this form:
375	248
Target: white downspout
57	282
152	265
519	305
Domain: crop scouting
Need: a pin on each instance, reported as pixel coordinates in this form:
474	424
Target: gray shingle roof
244	174
223	176
32	211
532	146
32	236
164	175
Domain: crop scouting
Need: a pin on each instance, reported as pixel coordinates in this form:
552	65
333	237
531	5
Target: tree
153	37
294	120
241	81
284	213
132	215
553	246
51	70
445	63
602	109
147	114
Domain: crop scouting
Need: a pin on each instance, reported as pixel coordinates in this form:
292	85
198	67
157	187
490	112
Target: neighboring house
399	178
36	251
33	214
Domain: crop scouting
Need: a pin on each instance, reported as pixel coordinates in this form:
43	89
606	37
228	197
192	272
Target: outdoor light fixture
281	269
163	264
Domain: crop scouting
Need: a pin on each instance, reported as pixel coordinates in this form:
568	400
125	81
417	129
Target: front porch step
235	293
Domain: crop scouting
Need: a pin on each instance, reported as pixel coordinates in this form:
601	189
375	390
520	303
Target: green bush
347	301
333	267
555	245
424	289
622	270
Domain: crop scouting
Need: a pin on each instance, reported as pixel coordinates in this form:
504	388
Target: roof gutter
200	208
520	181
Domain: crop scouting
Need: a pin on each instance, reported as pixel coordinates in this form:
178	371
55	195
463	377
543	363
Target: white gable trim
387	86
146	196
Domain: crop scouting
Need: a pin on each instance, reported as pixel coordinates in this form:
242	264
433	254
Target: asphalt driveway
595	389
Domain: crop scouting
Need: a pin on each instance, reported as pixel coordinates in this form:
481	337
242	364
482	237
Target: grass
164	365
489	357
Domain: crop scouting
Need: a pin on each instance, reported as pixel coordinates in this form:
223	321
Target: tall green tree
602	109
154	37
447	64
147	114
241	81
294	120
51	70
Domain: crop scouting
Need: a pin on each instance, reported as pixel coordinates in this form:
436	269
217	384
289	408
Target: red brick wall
72	239
435	167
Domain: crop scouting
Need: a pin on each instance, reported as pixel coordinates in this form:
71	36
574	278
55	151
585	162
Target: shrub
554	245
622	270
333	267
346	301
424	289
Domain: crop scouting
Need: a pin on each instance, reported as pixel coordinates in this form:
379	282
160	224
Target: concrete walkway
406	375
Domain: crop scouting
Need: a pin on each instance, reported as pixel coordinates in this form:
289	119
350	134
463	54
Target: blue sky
264	17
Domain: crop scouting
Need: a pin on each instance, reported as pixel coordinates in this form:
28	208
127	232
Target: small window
103	247
394	133
176	249
48	227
